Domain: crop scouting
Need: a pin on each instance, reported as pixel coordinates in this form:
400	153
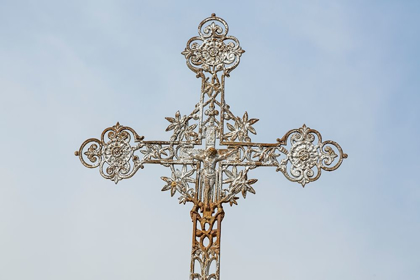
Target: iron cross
201	172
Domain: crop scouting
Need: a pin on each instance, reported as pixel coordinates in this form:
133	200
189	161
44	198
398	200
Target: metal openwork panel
200	172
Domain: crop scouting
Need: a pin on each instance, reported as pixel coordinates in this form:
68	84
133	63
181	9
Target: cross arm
300	155
121	152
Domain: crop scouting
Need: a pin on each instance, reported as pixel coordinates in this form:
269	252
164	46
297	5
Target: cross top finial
213	50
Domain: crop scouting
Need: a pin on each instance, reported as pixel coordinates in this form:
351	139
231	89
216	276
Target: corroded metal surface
200	171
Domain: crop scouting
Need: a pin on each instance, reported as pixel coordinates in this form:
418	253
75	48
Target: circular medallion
117	153
304	155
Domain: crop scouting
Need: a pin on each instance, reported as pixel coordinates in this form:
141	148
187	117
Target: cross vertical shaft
205	254
202	173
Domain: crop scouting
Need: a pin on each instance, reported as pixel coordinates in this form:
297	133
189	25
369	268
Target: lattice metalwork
199	172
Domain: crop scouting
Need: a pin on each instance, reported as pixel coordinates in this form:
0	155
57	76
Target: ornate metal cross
202	172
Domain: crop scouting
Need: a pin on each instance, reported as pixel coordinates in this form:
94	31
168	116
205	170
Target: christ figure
210	158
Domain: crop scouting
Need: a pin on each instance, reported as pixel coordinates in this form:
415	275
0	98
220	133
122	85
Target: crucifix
203	172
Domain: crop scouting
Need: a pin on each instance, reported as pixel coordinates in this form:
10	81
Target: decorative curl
305	159
93	153
213	51
113	153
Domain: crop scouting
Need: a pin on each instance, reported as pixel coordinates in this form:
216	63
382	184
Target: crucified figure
209	158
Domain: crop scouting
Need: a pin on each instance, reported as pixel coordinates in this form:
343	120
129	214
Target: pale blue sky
69	69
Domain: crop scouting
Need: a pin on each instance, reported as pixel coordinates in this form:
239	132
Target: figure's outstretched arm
227	154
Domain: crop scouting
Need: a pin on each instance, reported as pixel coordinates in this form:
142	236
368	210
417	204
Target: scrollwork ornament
266	155
202	171
213	50
305	156
118	152
113	154
93	153
153	151
328	155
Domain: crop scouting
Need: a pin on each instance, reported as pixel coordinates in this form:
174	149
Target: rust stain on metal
201	174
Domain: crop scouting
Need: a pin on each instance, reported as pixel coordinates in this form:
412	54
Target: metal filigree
202	174
304	155
213	50
113	153
205	255
178	182
240	129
